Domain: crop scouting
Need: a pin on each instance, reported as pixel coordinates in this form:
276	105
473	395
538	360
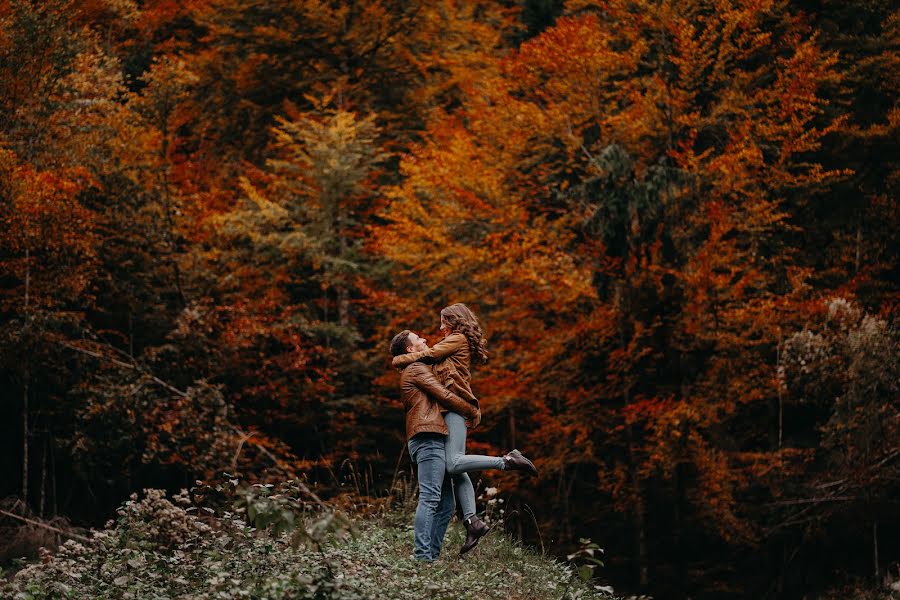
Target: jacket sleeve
428	383
439	351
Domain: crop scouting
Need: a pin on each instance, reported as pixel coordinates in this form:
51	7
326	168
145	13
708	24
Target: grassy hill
265	542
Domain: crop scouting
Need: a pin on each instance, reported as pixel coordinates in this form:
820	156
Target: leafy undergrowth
202	545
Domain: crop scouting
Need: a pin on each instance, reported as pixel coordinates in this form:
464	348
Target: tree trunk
170	242
343	302
640	533
54	506
512	427
25	387
858	246
776	407
168	234
681	561
567	511
43	495
27	277
130	333
343	295
25	443
875	546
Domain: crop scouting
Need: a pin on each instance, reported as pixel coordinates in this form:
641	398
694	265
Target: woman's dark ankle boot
516	462
475	530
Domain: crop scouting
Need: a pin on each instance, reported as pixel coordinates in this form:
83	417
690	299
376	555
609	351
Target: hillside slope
181	548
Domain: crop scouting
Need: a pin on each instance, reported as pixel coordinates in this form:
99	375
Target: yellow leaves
800	76
452	44
168	85
267	208
456	218
564	69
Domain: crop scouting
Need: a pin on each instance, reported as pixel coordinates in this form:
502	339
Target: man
423	396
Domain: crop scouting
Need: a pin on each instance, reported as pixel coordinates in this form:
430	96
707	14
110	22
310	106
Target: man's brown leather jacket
451	361
423	396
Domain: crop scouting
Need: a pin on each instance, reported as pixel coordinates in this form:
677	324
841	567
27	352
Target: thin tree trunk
343	295
780	420
43	495
167	207
776	441
27	277
343	306
639	524
560	487
512	427
858	246
325	317
167	201
681	561
25	443
54	506
785	563
875	546
130	333
25	387
567	511
640	534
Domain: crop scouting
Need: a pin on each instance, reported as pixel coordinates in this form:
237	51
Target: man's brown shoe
475	530
516	462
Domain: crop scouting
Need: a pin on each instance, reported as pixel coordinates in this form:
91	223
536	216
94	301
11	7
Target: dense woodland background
677	220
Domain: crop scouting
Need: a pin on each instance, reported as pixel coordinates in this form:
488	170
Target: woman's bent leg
457	459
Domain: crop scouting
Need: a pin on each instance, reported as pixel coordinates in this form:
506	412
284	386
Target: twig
237	452
283	465
134	367
538	527
812	500
397	468
45	526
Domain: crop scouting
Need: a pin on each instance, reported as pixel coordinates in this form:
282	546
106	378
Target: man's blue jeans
435	507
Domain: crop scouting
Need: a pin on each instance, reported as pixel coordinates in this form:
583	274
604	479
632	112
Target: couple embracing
440	406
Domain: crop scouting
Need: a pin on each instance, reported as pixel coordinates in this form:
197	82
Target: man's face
415	343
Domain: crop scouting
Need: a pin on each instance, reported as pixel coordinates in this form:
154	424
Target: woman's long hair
462	320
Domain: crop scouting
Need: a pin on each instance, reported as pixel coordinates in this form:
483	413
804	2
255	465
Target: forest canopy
675	220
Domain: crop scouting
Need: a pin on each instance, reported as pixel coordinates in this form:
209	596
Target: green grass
379	562
159	548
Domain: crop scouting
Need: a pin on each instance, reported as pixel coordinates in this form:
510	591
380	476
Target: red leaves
47	233
647	409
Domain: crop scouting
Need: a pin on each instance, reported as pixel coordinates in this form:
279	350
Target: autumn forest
676	220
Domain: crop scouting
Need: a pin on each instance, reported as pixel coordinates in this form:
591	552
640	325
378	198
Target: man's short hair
398	344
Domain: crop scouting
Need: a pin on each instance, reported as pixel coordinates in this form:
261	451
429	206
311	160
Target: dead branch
74	536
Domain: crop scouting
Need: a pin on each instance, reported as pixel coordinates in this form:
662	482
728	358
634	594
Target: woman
462	345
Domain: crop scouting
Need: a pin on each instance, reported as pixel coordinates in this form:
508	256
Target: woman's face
445	326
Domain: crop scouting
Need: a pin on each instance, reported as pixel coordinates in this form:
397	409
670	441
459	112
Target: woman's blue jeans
459	463
435	494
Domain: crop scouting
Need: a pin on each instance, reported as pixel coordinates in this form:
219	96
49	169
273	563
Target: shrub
232	541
